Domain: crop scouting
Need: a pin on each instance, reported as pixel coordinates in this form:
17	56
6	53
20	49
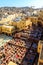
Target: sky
21	3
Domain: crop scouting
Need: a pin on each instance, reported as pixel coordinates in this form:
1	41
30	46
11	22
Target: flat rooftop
4	39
